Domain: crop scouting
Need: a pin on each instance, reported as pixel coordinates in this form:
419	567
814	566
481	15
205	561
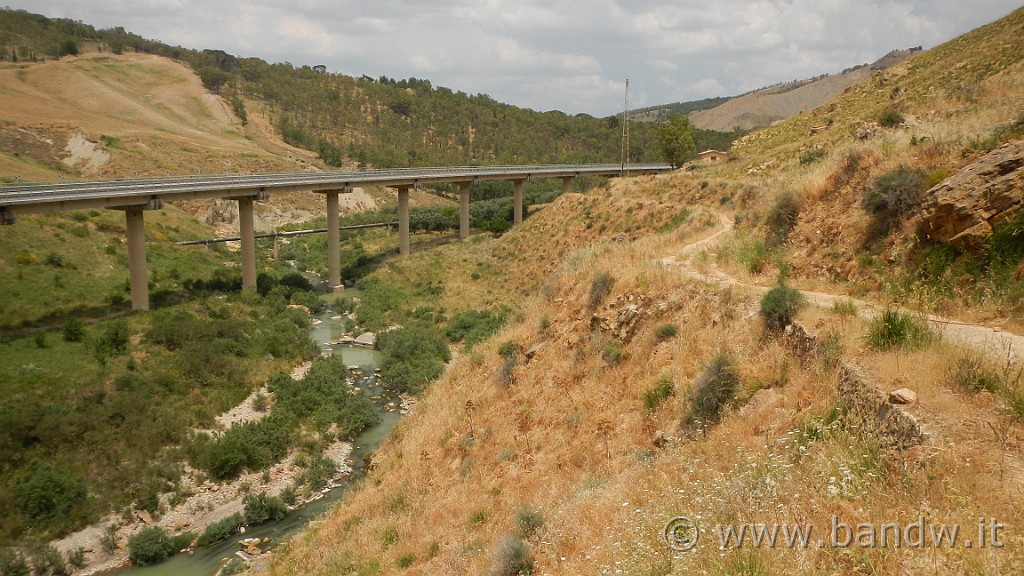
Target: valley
825	329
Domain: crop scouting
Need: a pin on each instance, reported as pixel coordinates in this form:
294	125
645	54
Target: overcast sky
568	55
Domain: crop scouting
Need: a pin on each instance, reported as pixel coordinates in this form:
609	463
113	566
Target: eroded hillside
640	380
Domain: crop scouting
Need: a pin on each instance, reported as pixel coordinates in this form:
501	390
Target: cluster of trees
105	426
375	122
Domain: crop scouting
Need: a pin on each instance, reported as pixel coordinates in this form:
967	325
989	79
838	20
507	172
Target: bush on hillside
150	546
779	306
473	326
714	388
261	508
512	558
600	288
42	493
893	329
220	530
896	192
660	391
412	357
782	217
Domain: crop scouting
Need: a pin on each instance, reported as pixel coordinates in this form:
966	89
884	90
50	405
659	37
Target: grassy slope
959	100
153	112
571	437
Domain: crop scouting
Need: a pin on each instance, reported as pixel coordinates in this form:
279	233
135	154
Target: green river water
208	561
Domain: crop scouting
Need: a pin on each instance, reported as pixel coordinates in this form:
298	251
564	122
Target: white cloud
572	55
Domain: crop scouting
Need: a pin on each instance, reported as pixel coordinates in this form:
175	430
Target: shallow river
207	561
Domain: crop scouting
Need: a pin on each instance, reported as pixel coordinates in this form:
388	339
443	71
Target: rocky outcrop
869	412
963	208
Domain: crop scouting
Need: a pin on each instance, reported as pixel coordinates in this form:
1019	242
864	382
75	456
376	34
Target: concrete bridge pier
403	220
464	210
567	184
333	241
135	230
247	234
517	202
138	276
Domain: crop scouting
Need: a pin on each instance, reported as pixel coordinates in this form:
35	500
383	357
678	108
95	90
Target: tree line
375	122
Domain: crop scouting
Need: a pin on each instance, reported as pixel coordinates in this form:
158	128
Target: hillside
111	116
567	443
628	363
762	107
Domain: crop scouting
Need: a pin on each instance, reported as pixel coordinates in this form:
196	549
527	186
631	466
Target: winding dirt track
1004	346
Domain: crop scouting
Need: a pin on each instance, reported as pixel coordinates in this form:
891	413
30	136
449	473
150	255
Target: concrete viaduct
136	196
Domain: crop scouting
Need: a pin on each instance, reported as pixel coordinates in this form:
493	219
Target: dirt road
1004	346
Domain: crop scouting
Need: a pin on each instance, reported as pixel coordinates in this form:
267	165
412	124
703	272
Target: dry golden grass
571	438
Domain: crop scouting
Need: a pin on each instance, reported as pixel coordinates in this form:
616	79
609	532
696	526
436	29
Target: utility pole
625	132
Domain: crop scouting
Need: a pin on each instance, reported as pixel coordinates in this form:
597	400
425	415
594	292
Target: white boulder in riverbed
366	339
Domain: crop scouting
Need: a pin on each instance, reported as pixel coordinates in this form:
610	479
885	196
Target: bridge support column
464	210
246	231
403	220
137	275
517	202
333	241
566	184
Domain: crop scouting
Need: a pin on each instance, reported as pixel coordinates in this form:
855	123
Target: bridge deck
36	198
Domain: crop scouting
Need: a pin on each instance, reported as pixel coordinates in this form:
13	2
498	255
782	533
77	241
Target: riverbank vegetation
97	416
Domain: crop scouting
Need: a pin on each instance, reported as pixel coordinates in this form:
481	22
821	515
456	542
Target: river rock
963	208
366	339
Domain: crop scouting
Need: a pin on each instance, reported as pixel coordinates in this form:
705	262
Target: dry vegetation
586	437
568	435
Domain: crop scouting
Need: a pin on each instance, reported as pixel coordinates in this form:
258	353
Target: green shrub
714	388
183	540
782	217
220	530
288	495
478	517
253	446
42	493
600	287
412	357
74	330
114	339
613	353
54	259
779	306
12	563
406	560
48	560
812	156
261	508
512	558
890	118
658	393
528	521
508	349
893	329
666	331
753	255
896	192
972	374
150	546
76	558
473	326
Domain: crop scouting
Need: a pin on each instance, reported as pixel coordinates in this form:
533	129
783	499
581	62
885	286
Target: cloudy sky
568	55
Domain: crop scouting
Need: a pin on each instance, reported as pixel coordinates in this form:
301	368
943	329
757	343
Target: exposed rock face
963	208
870	413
